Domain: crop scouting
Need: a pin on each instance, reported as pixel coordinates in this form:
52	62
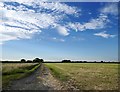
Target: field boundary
17	76
64	78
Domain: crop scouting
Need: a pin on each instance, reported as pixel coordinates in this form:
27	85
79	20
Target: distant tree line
69	61
66	61
36	60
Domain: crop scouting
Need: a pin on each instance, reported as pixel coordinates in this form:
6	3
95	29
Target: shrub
66	61
29	61
37	60
23	60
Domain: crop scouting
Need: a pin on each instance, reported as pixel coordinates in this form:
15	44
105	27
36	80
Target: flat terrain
31	82
39	79
60	76
87	76
14	71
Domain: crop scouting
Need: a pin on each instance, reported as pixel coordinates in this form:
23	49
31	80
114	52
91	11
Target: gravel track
32	82
40	79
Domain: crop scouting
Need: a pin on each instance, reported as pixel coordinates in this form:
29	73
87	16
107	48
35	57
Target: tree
29	61
85	61
66	61
37	60
23	60
42	60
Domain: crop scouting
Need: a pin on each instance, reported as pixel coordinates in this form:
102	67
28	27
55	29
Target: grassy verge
17	73
58	73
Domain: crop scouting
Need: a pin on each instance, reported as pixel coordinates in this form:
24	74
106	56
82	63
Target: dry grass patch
87	76
13	71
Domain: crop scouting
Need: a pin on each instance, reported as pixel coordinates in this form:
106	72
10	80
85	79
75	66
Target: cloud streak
111	9
104	35
23	19
62	30
58	40
97	23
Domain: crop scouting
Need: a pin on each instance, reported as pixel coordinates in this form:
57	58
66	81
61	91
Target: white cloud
4	37
21	22
89	13
97	23
38	20
58	7
111	8
76	26
17	34
104	35
78	38
58	39
55	6
61	40
62	30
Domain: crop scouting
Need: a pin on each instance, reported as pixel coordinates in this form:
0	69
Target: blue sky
56	31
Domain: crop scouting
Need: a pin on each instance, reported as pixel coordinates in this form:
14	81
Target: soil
41	79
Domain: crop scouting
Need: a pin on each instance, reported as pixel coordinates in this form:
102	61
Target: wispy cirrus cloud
111	8
4	37
58	39
104	35
96	23
22	19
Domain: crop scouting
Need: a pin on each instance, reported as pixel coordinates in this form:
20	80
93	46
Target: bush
37	60
66	61
29	61
102	61
23	60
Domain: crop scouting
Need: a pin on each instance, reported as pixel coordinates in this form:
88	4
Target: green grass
16	71
87	76
58	73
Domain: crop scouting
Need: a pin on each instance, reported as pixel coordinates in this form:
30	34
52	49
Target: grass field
13	71
87	76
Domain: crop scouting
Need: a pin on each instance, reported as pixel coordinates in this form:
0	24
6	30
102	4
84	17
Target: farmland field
87	76
13	71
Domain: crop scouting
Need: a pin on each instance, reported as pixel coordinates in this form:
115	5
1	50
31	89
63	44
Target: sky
58	30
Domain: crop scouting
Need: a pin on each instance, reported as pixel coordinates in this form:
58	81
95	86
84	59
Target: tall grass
15	71
58	73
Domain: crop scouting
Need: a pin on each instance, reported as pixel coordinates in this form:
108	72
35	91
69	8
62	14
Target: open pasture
87	76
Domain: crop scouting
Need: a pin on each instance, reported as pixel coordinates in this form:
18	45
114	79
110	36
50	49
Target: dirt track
41	79
32	82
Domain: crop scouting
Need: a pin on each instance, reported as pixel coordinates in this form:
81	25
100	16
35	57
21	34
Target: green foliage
66	61
19	70
23	60
17	73
37	60
58	73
